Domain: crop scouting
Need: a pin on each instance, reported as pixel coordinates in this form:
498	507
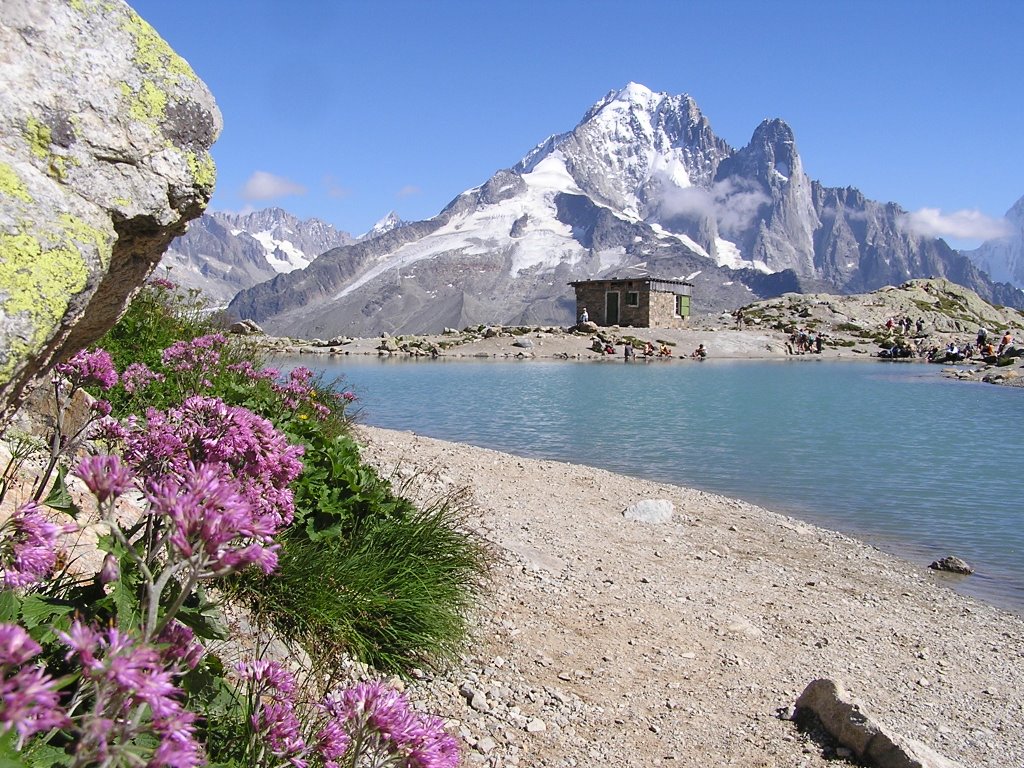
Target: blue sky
346	110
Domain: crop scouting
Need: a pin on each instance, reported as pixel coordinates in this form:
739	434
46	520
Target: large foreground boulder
104	133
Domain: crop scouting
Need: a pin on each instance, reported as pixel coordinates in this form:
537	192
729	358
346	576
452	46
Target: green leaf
10	606
205	619
9	756
124	596
59	497
36	610
46	756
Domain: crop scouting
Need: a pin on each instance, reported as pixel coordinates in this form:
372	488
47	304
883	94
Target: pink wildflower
180	646
28	548
209	520
198	356
378	719
137	377
162	282
109	431
105	476
126	675
271	688
89	368
111	570
242	445
28	700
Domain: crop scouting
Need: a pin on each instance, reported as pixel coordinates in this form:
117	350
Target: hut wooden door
611	308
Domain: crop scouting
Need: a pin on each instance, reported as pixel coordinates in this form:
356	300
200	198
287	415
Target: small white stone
536	726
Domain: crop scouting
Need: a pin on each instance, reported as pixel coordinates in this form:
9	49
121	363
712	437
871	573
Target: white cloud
959	225
733	204
408	190
266	186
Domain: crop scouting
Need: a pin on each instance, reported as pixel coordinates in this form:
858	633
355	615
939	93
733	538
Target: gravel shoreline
608	641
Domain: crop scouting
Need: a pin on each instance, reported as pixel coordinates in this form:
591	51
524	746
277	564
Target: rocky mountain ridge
223	253
640	186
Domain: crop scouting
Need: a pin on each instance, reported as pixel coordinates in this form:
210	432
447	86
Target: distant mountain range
222	253
642	185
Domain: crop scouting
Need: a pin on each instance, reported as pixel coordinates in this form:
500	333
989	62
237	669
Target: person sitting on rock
664	351
648	349
1004	343
699	353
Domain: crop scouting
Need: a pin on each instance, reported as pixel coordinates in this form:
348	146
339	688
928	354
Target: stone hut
640	302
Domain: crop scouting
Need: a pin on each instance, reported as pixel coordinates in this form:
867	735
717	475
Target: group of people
983	348
904	324
649	350
801	341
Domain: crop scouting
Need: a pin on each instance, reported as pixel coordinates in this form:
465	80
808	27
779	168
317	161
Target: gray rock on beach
650	511
104	133
846	720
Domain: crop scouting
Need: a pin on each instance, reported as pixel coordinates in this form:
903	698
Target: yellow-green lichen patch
11	185
202	168
122	202
38	284
75	233
152	53
150	104
39	137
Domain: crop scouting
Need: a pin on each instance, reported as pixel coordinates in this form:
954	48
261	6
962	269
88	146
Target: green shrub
395	594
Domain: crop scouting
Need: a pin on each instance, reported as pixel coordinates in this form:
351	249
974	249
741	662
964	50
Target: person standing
584	317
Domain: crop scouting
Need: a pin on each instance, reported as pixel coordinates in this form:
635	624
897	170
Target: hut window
682	305
632	299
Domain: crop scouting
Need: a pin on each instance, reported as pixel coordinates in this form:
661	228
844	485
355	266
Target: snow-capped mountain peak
389	222
641	180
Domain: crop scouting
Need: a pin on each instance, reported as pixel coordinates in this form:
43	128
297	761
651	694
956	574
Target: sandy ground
604	641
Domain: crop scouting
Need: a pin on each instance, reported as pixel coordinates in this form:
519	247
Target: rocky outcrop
846	720
104	133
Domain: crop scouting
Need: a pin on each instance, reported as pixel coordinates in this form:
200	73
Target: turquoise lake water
892	453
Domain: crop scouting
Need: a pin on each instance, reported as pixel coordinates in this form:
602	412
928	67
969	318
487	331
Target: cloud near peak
960	225
266	186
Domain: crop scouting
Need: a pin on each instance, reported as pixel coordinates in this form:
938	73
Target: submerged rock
953	565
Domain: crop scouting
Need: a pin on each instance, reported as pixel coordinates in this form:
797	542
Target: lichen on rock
104	139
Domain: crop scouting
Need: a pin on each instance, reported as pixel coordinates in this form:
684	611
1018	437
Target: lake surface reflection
892	453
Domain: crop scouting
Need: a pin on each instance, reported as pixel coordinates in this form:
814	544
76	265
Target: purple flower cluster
240	445
198	357
28	547
135	693
300	390
179	646
163	282
211	524
28	700
271	688
89	368
137	377
105	476
376	720
251	372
